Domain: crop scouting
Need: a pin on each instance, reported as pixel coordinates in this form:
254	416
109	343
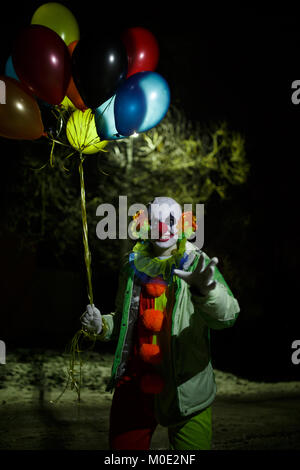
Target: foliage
178	158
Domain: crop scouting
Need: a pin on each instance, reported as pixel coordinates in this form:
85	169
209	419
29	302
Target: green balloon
58	18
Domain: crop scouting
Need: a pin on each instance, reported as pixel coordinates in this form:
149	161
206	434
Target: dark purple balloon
42	62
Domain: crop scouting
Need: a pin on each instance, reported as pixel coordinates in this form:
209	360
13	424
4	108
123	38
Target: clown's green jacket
188	373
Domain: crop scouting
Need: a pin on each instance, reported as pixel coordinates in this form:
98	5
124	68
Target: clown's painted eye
172	220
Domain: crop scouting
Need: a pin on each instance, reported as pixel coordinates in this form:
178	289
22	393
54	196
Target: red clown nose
162	227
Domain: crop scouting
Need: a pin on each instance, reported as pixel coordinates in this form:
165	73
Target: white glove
92	320
201	277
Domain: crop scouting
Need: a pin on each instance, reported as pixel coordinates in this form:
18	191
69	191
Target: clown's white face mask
164	214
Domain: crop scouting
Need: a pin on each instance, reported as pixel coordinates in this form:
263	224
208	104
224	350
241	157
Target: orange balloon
72	92
20	116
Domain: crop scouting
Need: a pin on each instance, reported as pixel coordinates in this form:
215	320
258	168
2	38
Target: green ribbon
87	253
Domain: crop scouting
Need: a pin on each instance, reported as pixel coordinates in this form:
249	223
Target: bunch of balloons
38	72
141	100
110	75
108	81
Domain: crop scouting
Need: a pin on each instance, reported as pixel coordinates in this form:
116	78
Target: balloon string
75	349
87	253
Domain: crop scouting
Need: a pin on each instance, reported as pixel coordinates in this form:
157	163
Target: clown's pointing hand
201	277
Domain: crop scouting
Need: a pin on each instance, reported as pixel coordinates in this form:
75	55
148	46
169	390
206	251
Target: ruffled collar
146	265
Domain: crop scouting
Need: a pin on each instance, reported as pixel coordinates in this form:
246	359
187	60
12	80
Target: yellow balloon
58	18
67	103
82	133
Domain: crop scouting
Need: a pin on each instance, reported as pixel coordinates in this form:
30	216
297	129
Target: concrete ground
246	415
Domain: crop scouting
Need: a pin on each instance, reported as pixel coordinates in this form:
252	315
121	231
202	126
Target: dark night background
220	66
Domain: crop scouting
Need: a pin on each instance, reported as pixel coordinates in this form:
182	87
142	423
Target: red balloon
142	50
20	116
42	62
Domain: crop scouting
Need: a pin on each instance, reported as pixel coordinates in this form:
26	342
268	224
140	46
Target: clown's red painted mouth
166	239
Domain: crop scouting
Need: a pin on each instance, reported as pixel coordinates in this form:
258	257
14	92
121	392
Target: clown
170	295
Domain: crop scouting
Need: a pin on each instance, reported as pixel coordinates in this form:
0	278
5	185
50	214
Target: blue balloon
10	70
105	121
130	107
141	102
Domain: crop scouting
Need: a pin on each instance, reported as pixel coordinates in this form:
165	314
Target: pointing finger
213	262
211	286
182	274
200	264
208	274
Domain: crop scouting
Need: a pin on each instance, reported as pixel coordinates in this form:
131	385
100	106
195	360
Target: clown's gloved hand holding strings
92	320
201	278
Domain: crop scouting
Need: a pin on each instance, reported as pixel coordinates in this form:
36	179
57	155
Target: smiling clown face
164	215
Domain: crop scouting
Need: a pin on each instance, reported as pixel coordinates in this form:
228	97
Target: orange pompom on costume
153	319
151	322
147	351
